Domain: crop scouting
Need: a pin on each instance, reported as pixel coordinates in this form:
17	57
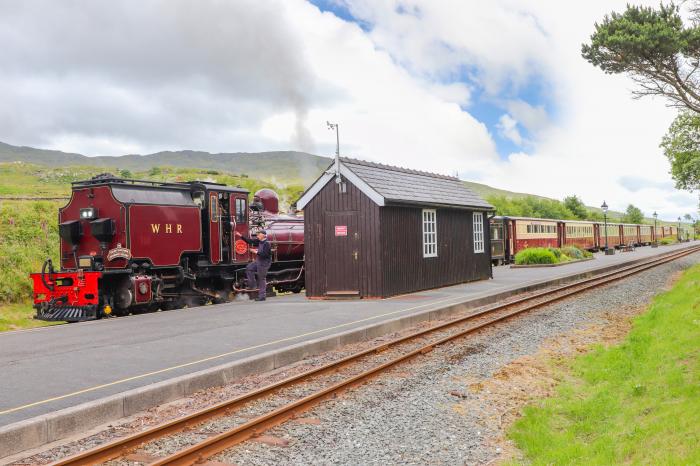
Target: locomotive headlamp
88	214
85	262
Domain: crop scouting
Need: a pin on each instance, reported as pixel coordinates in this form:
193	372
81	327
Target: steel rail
203	450
255	426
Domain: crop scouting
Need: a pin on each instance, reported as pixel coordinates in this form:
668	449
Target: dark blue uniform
260	266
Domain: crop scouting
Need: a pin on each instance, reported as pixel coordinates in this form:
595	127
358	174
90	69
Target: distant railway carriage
513	234
580	234
630	234
534	232
499	247
646	234
613	236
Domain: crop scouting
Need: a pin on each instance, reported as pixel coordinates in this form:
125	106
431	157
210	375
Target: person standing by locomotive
263	260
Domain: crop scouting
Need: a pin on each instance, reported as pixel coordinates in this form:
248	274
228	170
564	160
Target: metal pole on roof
336	168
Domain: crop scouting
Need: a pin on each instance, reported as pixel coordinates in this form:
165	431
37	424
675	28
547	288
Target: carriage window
214	208
429	233
240	210
478	222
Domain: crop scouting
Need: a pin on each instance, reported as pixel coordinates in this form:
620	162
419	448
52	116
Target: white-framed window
429	233
478	223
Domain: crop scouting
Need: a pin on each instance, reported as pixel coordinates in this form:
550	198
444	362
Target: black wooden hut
374	230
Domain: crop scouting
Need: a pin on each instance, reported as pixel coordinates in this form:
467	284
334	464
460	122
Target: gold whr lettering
155	227
168	228
179	228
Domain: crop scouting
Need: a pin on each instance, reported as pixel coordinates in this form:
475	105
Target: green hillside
487	191
282	167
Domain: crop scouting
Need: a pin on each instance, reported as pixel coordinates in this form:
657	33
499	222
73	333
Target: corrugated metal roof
412	186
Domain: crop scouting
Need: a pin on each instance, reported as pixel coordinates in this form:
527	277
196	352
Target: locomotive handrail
50	286
131	181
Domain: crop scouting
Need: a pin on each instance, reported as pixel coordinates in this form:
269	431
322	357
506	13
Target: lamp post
656	238
679	229
608	252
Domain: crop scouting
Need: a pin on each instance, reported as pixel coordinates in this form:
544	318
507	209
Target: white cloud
533	117
596	133
141	76
508	128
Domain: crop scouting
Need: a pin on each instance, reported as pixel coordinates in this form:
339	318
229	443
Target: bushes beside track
531	256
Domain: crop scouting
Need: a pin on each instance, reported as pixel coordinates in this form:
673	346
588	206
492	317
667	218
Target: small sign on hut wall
341	230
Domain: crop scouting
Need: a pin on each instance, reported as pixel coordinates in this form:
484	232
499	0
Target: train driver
263	259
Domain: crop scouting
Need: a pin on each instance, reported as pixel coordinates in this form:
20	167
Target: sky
496	92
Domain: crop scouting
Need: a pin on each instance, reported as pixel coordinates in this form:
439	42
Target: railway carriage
500	248
613	235
583	235
129	246
658	232
646	234
630	234
534	233
513	234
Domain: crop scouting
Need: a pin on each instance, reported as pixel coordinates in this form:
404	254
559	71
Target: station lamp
604	207
656	239
679	229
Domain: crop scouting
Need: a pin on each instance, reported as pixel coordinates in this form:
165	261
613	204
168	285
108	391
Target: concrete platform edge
35	432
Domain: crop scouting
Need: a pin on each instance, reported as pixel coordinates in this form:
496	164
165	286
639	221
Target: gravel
419	413
415	414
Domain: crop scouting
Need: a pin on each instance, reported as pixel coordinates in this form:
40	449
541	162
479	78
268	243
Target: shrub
556	252
576	253
668	240
536	256
573	252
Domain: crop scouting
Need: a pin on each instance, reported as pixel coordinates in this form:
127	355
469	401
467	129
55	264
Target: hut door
341	244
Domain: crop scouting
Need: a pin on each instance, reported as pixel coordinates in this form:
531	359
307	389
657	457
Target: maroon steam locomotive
130	246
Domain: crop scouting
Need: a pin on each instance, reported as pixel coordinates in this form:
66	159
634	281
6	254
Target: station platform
53	368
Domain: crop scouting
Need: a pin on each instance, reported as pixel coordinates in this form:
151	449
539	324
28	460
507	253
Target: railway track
259	410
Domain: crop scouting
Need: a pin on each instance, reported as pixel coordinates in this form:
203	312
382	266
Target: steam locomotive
131	246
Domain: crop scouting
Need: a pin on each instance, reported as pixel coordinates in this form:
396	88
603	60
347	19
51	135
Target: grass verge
635	403
18	316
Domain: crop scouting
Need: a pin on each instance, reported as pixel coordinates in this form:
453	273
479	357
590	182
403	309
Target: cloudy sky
496	91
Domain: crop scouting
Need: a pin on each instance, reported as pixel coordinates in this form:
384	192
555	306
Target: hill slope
284	166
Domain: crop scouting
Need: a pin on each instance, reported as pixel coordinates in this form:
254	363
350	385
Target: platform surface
50	368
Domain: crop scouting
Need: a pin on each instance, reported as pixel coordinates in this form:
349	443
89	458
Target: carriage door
239	220
561	235
341	244
214	228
